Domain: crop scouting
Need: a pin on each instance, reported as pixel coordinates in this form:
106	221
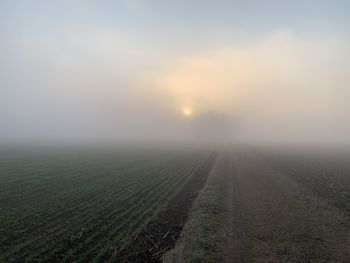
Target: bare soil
285	222
327	175
249	211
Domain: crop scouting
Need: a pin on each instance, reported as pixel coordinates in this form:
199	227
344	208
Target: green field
84	205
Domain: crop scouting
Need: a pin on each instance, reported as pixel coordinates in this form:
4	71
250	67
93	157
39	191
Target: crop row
102	210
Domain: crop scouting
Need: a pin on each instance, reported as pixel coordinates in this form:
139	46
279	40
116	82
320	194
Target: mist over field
149	71
174	131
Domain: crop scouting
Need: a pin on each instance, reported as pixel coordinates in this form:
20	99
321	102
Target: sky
137	69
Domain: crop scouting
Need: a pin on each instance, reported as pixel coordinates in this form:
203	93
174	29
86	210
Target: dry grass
249	212
209	229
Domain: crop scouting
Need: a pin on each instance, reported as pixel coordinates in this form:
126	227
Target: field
66	206
325	174
142	205
260	206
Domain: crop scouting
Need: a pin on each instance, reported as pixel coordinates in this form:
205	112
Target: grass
204	237
250	212
84	206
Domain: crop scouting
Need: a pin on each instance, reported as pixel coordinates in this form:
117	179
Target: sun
187	111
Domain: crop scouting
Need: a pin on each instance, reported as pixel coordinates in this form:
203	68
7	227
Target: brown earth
325	173
250	212
284	221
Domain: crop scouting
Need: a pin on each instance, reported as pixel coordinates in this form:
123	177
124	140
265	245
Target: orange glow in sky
187	111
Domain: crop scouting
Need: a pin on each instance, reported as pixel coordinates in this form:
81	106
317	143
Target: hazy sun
187	112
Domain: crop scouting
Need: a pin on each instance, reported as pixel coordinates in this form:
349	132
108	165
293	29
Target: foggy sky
125	70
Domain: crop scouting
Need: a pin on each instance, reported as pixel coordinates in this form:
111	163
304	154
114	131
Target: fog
149	71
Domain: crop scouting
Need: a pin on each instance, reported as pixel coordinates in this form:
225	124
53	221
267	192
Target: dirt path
209	233
250	212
